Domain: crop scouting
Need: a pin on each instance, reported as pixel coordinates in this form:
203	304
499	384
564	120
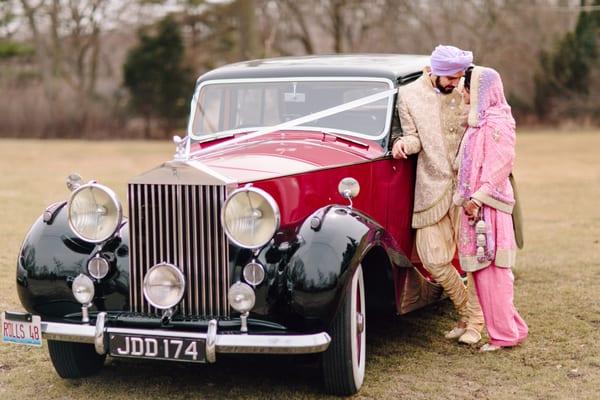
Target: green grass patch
10	49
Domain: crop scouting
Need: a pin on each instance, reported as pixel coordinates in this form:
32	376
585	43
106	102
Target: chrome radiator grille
180	224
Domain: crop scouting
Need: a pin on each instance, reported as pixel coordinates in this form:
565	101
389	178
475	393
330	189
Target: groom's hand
399	150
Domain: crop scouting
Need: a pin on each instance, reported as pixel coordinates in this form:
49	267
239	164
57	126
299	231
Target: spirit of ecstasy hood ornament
181	147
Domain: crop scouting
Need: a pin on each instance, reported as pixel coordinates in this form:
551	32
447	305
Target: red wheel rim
359	330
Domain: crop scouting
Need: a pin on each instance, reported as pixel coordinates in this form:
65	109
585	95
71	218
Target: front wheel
74	360
344	360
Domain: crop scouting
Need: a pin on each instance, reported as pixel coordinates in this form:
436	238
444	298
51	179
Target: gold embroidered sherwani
433	125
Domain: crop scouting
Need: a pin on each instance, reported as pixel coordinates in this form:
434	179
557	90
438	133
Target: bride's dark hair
468	74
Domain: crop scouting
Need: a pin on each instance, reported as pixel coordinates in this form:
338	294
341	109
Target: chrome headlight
250	217
164	286
94	212
83	289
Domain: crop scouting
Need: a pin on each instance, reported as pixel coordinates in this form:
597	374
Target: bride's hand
471	209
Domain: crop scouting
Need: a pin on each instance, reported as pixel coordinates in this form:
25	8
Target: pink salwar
494	287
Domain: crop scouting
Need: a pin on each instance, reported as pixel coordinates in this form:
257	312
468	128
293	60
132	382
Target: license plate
157	348
21	328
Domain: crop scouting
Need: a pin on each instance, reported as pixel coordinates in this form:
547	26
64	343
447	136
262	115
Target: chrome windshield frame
200	85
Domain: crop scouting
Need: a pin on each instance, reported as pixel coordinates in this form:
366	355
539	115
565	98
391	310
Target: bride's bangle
477	202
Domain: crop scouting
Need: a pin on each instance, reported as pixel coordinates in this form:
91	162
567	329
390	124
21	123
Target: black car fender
51	256
334	241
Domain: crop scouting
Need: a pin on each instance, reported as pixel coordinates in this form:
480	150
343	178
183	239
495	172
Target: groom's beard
443	89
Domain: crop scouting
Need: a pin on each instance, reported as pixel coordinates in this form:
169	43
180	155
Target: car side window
396	129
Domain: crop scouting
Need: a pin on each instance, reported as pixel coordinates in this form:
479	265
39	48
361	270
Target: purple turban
449	60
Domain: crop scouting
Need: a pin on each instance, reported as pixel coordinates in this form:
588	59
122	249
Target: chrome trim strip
69	332
146	264
224	257
210	260
168	207
180	262
273	344
195	281
230	343
52	210
132	236
99	338
161	252
203	251
139	277
188	251
154	225
215	245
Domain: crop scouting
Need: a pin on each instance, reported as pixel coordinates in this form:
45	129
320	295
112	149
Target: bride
486	242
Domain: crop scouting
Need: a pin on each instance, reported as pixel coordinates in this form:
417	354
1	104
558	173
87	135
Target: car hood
266	157
287	153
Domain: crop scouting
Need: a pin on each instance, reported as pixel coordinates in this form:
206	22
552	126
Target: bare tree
247	29
67	38
297	29
8	21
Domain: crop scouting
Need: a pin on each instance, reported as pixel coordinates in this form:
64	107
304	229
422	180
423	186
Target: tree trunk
247	29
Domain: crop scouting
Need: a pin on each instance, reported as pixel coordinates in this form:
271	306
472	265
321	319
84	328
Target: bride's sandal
489	347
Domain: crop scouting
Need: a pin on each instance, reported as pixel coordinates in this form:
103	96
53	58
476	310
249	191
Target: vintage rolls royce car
281	222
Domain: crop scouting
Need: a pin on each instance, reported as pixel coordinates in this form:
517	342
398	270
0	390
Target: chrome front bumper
215	343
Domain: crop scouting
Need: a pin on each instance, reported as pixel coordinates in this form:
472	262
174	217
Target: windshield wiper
217	136
345	138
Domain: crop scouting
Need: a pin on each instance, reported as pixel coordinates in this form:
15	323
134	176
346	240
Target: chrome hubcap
360	323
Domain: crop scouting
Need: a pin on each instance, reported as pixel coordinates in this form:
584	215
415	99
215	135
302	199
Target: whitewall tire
345	359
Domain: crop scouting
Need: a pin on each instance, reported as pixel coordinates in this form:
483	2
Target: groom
433	120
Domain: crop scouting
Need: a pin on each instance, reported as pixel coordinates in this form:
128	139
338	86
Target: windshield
230	106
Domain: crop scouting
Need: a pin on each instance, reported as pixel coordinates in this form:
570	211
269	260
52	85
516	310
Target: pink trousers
494	287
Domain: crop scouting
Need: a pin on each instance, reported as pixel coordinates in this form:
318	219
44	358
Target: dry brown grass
556	292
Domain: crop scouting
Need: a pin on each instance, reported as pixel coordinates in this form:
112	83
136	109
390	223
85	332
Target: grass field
556	288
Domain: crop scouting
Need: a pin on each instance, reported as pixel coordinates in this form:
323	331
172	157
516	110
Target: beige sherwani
433	125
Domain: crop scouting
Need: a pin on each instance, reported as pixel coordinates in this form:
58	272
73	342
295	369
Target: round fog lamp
241	297
83	289
98	267
254	273
164	285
